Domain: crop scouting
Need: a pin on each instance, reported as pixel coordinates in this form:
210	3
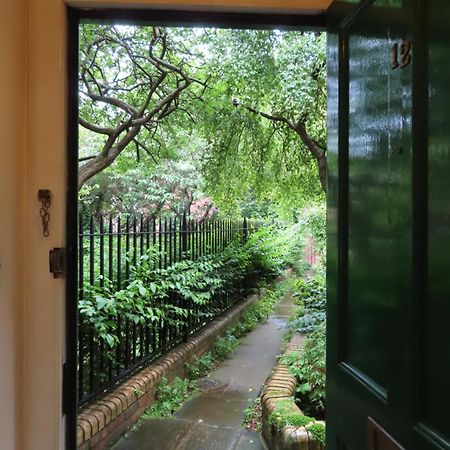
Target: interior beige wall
32	157
13	125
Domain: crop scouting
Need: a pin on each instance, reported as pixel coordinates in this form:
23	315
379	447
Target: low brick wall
281	386
103	421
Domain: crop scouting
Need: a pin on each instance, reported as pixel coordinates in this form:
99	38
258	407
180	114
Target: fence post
245	238
184	249
184	237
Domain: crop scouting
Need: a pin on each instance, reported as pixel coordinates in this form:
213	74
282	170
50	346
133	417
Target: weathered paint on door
389	225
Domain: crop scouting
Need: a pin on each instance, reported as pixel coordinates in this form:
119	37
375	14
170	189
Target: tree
266	110
174	187
253	101
132	79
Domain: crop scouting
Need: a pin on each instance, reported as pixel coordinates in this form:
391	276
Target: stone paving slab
210	437
250	441
156	434
223	409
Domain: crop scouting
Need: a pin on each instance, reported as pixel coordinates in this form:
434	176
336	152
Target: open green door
389	225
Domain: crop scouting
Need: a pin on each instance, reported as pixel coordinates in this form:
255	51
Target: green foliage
309	367
173	187
278	73
136	84
146	297
314	220
224	346
310	295
169	397
253	416
290	241
318	432
201	146
265	257
286	413
201	366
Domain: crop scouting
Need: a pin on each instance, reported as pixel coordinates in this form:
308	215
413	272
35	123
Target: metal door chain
45	198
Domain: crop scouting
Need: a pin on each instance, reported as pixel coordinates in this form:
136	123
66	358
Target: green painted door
389	225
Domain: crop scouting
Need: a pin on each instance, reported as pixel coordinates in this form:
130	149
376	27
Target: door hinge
57	262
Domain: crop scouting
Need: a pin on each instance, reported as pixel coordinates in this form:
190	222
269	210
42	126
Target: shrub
310	296
169	397
309	367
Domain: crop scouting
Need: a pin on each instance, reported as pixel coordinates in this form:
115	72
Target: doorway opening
105	251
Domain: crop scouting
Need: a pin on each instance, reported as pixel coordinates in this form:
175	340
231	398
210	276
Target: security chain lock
45	197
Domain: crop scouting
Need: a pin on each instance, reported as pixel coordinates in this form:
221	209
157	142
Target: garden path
212	419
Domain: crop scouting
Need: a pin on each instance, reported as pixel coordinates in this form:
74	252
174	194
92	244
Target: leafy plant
309	367
313	221
287	414
201	367
147	297
169	397
318	431
310	296
224	346
253	416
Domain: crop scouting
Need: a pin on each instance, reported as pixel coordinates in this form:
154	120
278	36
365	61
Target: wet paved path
213	420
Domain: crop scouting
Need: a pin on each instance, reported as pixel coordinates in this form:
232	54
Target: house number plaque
401	54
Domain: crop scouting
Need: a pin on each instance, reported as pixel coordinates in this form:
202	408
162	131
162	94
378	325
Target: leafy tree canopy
244	110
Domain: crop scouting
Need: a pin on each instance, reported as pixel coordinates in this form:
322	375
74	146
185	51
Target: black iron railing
110	248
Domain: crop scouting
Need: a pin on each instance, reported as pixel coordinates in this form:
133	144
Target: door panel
434	418
388	307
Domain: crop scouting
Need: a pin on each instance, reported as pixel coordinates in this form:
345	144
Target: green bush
309	367
197	282
310	296
201	366
291	241
224	346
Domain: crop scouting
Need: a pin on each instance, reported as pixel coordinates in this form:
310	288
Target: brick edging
104	420
282	385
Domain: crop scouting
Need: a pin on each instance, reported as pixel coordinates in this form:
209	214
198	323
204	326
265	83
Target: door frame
148	16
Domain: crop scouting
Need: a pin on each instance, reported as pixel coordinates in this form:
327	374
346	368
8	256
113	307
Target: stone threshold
282	386
104	420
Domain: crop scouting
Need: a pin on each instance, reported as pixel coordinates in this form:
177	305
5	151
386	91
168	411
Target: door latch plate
57	262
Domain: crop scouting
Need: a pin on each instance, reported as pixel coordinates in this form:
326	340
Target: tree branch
317	151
